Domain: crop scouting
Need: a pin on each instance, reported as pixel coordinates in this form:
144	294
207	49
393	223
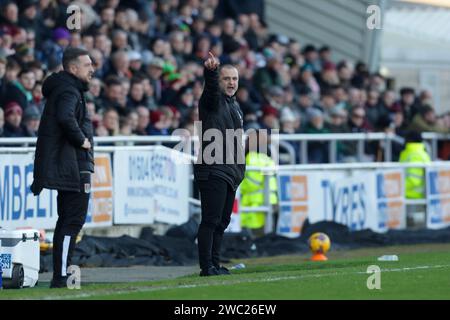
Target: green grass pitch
422	272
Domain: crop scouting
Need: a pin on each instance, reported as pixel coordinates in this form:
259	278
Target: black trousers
217	198
72	210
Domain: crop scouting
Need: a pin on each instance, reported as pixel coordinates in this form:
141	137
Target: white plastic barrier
359	195
369	199
151	185
20	208
147	184
438	198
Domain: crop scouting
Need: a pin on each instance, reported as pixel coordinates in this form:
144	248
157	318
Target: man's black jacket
64	125
221	112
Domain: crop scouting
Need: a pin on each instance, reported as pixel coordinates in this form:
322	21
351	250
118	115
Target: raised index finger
211	55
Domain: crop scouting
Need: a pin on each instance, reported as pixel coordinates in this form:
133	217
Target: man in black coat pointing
64	158
220	172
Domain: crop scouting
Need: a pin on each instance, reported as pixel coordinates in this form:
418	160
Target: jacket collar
80	85
229	99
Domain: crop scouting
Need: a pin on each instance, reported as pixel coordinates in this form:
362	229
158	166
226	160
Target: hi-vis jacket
415	177
252	189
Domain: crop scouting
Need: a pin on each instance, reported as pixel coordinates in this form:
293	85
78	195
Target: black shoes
211	271
223	271
214	271
60	282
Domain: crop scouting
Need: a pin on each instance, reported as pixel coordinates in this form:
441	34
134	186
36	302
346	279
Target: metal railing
334	138
283	141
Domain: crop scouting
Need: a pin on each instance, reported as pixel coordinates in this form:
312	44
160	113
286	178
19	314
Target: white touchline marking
270	279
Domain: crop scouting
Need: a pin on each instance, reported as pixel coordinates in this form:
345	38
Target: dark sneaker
223	271
211	271
59	282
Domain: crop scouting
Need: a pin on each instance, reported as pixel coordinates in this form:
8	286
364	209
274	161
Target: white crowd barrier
358	195
128	187
147	184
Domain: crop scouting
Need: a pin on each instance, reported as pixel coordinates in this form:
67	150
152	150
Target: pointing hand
212	62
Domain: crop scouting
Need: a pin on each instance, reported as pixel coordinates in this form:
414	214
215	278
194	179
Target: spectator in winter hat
52	51
275	96
338	120
276	91
135	58
13	120
24	54
288	121
270	118
61	36
317	150
270	111
31	120
158	123
315	117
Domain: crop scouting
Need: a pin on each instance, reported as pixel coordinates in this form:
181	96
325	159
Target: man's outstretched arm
211	93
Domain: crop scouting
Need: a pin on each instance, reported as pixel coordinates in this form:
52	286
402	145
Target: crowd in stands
149	55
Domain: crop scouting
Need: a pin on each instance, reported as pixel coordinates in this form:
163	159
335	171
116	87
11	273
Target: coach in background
64	158
218	175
